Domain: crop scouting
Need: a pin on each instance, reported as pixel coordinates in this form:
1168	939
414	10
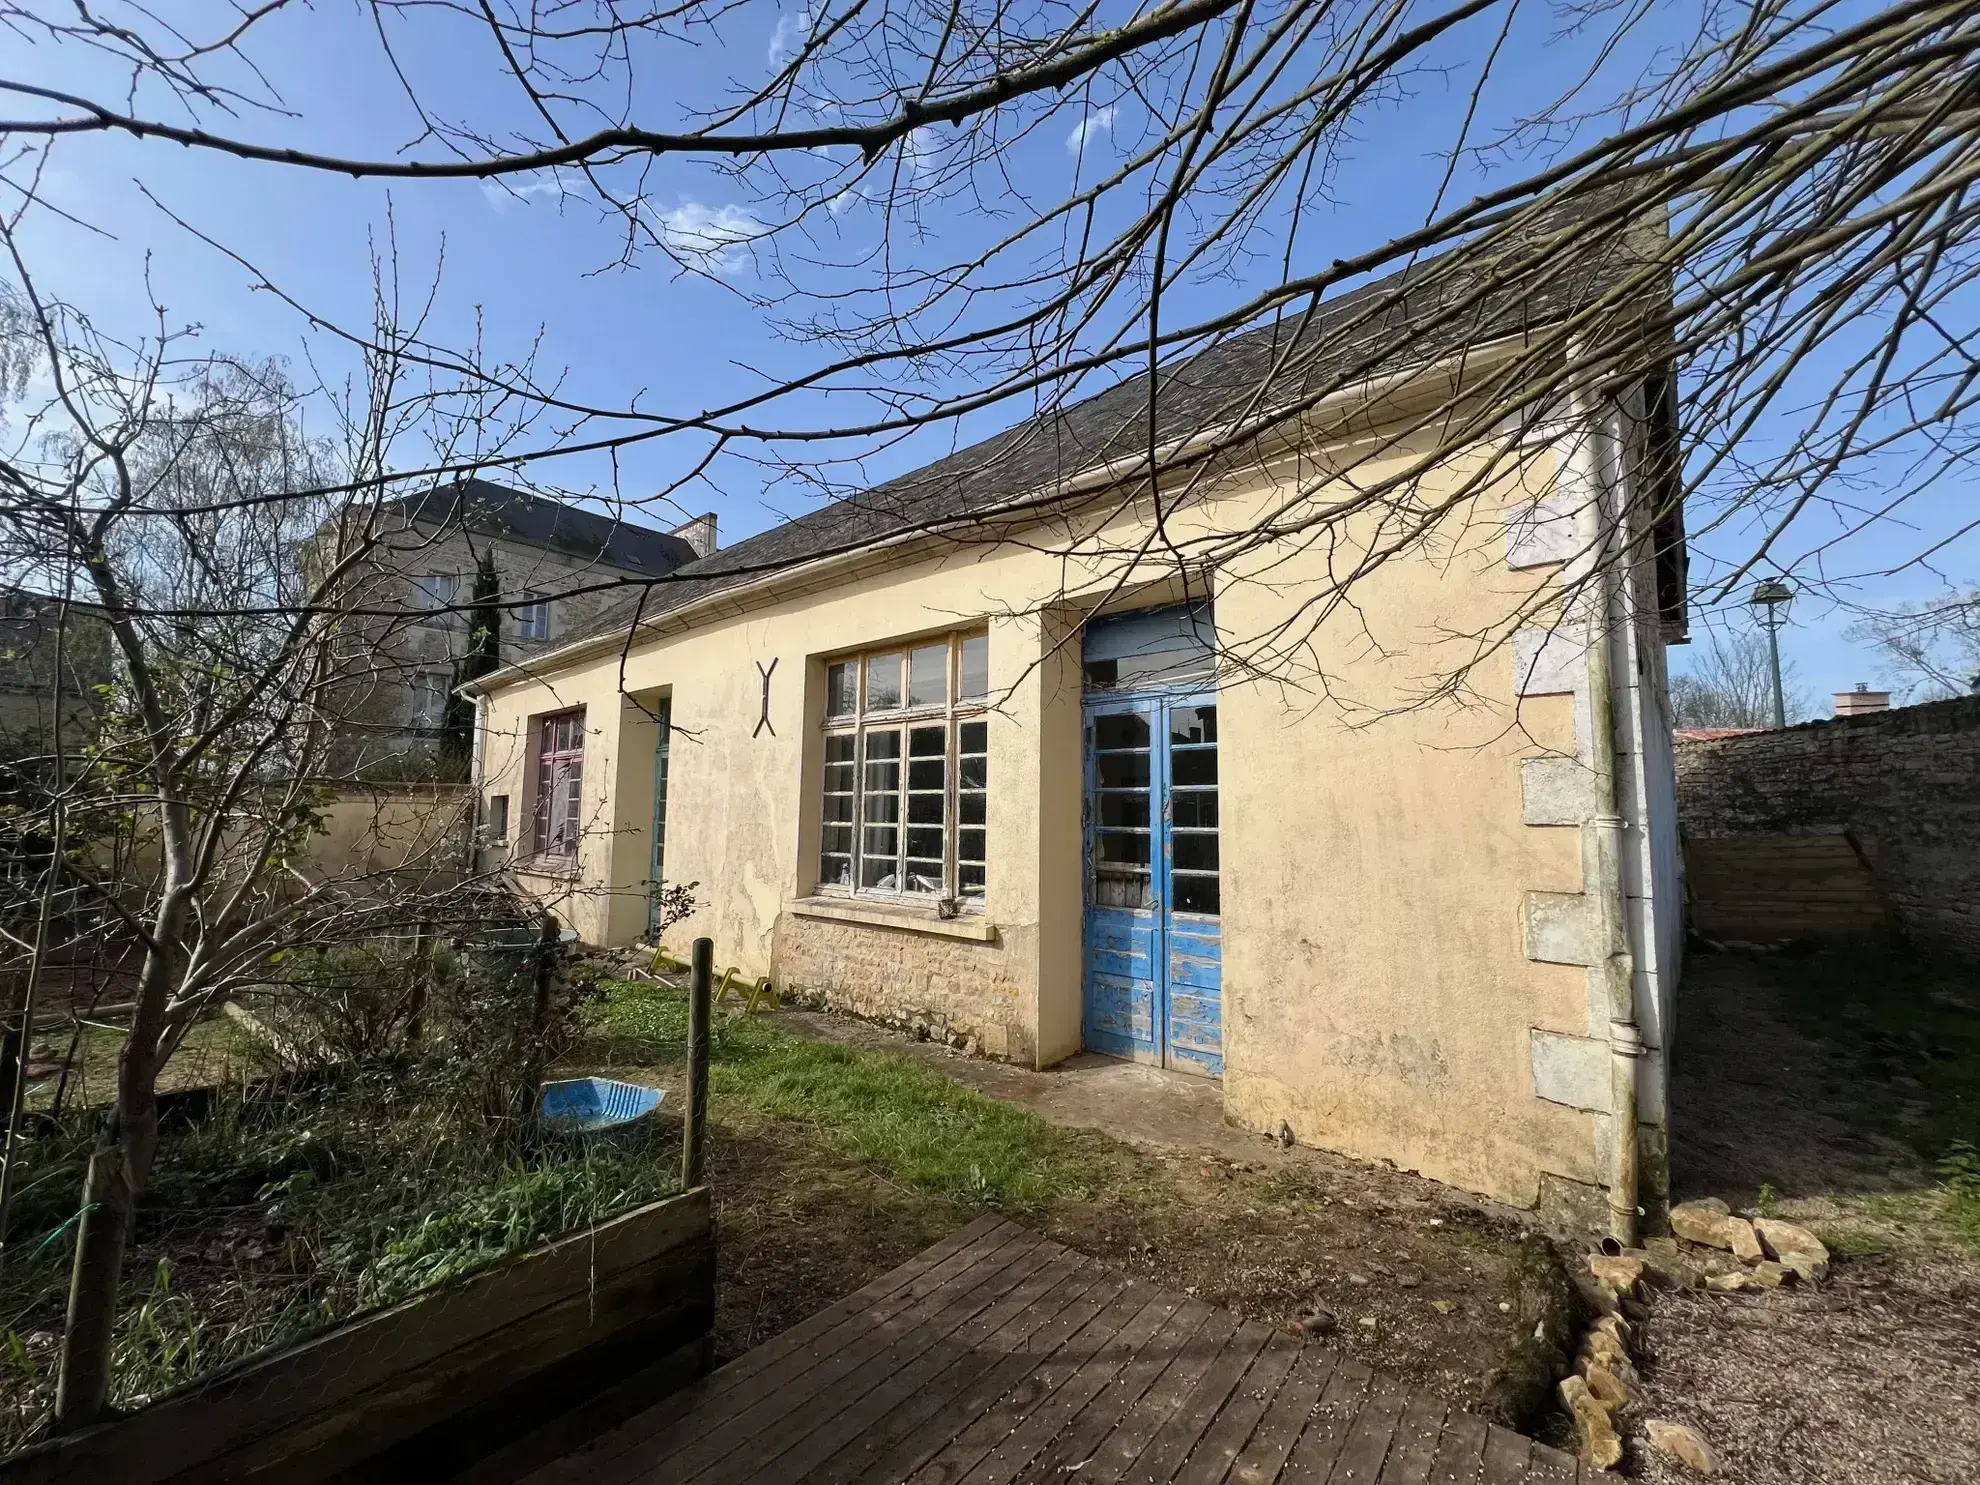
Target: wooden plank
1312	1458
1415	1443
1374	1428
805	1439
1021	1390
1273	1440
982	1231
895	1411
780	1404
1211	1460
1076	1443
1550	1466
321	1382
922	1416
1460	1452
1081	1367
1506	1457
730	1388
1115	1453
1174	1440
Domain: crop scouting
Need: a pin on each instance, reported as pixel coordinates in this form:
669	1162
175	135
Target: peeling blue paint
1153	940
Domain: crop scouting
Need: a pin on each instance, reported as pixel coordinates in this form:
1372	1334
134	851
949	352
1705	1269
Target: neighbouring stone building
31	689
940	752
1841	826
561	570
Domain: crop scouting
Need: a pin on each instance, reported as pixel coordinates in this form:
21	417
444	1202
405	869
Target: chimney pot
1862	701
699	533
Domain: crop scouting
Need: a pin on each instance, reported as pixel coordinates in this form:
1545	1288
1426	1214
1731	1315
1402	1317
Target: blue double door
1153	943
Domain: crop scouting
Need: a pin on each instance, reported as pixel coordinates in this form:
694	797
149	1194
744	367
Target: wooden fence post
694	1132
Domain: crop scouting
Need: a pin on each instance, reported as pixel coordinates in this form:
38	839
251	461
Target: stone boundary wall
1904	783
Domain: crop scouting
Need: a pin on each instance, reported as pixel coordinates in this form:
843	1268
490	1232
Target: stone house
939	752
561	570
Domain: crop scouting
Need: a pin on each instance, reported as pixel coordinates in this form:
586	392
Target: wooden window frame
963	877
533	618
430	683
553	779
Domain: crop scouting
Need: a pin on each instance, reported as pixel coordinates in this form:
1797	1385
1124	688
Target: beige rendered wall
1383	987
742	808
1378	994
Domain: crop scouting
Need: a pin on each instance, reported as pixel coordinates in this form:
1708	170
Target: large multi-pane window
559	783
906	746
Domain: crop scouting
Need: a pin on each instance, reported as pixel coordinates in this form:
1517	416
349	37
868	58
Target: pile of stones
1711	1248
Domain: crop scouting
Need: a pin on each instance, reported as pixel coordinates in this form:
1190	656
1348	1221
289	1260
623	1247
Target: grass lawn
831	1163
1904	1029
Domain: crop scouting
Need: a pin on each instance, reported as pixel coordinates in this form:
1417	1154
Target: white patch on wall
1551	661
1540	534
1561	928
1556	790
1573	1070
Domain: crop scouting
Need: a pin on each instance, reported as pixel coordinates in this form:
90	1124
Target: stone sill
970	926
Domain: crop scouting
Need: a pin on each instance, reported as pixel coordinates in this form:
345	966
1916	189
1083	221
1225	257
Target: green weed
889	1111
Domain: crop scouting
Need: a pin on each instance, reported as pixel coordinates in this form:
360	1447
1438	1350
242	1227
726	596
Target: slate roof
1411	317
490	509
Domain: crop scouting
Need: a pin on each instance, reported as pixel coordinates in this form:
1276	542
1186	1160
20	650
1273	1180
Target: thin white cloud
844	200
918	151
1097	122
715	239
503	195
787	39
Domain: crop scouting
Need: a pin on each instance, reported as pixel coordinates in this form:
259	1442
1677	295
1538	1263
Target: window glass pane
925	809
879	870
974	683
1193	766
1193	724
838	839
1195	808
1123	847
1195	851
972	737
969	881
842	689
969	845
1121	730
928	675
1129	810
969	805
1196	894
1123	770
835	871
838	807
883	682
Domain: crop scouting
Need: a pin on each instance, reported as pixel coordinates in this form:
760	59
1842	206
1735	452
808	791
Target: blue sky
516	267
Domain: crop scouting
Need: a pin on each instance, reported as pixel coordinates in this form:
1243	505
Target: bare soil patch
1875	1377
1399	1272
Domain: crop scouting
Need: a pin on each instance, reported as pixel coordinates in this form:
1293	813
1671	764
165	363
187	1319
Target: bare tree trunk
119	1167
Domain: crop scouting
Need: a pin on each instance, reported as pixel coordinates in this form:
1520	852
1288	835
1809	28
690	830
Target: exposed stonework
949	989
1905	784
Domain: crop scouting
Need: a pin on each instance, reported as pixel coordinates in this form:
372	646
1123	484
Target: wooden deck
997	1356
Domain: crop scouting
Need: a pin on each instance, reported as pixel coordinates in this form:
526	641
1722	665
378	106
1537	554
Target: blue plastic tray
576	1105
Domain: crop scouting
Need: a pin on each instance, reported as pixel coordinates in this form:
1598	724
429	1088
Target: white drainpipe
1600	518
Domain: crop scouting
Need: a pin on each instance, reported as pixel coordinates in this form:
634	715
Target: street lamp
1770	603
